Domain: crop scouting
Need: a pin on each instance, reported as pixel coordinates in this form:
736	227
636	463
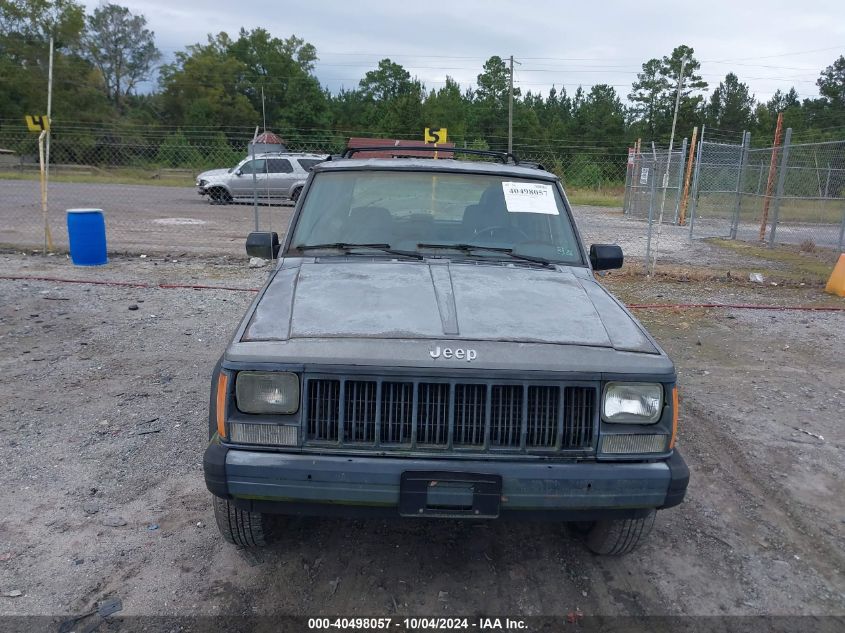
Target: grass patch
792	210
792	262
596	198
112	177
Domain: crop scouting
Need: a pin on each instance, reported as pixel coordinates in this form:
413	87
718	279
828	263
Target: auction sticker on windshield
529	197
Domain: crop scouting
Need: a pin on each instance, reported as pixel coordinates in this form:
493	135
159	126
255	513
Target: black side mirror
262	244
605	256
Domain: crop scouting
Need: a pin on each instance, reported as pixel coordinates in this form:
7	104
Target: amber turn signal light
222	393
674	417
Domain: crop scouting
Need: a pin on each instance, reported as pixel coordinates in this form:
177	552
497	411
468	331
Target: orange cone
836	283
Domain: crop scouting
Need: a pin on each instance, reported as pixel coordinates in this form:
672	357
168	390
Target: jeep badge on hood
447	352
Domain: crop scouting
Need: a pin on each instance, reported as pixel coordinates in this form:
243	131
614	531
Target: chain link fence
715	186
654	180
145	182
791	194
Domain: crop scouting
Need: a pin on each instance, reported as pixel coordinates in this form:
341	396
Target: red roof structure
401	146
268	138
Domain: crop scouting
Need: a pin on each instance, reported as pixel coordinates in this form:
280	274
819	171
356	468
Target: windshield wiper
468	248
347	246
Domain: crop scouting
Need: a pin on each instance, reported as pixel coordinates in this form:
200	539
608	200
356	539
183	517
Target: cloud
558	43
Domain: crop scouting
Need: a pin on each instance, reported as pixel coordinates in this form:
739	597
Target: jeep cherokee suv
432	342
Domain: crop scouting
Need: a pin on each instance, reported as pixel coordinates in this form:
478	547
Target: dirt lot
104	427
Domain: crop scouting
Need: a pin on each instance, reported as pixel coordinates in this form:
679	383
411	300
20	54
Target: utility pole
263	109
510	111
770	184
682	218
49	106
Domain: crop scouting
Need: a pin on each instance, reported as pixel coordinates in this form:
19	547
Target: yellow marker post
836	283
48	237
434	135
38	123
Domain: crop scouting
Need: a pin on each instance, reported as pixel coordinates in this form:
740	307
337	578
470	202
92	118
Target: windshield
428	211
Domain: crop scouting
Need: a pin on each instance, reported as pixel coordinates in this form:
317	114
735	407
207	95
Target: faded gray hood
441	300
212	173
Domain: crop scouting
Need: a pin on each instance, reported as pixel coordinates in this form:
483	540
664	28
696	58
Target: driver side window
257	166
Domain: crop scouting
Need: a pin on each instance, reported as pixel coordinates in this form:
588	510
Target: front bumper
273	482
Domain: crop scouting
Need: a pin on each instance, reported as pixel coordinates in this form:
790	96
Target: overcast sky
769	44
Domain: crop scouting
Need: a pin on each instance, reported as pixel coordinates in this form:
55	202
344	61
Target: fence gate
646	182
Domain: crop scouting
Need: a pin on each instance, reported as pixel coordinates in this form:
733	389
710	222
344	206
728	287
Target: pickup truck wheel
619	536
239	527
219	196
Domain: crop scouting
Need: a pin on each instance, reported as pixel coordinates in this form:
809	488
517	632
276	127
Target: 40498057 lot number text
417	624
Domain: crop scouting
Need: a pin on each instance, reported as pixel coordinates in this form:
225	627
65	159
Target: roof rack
395	149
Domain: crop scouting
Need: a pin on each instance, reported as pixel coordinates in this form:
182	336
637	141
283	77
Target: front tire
294	195
240	527
219	196
619	536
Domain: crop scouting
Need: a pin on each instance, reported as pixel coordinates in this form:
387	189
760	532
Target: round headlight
632	402
267	392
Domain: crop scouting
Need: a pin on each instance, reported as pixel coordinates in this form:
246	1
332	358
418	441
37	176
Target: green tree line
211	94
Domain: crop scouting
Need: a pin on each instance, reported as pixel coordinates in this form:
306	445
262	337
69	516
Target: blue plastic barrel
86	231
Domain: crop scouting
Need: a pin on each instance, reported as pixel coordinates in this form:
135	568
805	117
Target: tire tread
619	536
240	527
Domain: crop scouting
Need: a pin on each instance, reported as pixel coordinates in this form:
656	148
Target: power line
814	50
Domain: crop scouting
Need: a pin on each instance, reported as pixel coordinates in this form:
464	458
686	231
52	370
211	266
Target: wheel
239	527
219	196
619	536
294	195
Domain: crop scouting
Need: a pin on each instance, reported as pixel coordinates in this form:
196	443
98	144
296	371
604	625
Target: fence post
827	181
629	175
254	183
680	180
636	196
743	157
842	233
784	166
695	177
653	191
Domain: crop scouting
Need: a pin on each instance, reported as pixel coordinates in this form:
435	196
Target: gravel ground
105	424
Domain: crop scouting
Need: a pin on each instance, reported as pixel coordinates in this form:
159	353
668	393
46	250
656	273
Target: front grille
397	398
470	407
579	412
444	415
433	414
506	415
359	421
323	409
543	403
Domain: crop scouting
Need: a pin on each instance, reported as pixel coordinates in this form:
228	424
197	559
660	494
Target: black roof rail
502	156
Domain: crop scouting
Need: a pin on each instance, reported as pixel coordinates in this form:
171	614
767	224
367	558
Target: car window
308	163
405	208
257	166
279	166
